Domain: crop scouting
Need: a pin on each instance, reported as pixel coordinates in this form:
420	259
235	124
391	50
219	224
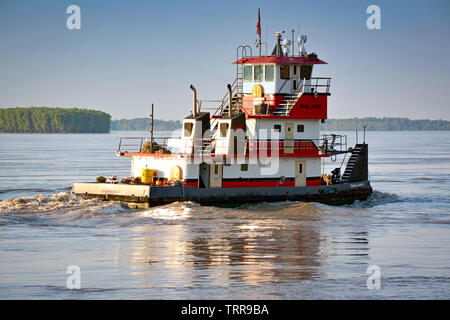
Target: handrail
318	85
141	143
328	144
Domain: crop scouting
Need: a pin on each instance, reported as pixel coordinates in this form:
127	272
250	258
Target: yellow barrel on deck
175	173
147	175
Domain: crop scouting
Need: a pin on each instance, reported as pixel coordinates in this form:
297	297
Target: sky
130	54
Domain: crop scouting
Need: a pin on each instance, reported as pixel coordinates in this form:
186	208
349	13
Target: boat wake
377	198
44	203
56	209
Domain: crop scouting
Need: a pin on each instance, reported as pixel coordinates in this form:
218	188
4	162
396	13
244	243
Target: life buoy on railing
257	91
331	158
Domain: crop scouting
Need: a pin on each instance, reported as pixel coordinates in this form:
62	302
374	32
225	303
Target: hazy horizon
130	54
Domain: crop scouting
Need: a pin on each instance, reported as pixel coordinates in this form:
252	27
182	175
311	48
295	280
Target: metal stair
286	105
236	103
351	163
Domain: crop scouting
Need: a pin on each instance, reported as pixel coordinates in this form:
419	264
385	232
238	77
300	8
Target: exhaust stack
230	112
194	104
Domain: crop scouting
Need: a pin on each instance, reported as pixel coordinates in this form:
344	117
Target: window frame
186	130
310	71
249	66
284	73
257	66
224	133
273	72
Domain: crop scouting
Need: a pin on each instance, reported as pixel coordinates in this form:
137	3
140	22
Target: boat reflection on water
190	245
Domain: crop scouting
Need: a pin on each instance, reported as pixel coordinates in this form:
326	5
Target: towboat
261	142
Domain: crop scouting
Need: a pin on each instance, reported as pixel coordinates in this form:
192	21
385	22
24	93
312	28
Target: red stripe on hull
192	184
257	184
313	183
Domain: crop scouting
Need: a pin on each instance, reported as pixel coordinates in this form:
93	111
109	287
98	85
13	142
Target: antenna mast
151	128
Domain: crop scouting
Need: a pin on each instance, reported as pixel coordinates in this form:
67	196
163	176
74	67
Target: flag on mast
258	26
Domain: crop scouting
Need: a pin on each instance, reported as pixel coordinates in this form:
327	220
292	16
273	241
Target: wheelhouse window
305	72
269	72
248	73
224	129
284	71
277	127
300	128
258	73
188	126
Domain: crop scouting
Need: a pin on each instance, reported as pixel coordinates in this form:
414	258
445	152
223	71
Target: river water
284	250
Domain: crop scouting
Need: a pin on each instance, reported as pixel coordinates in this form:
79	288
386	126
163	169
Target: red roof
296	60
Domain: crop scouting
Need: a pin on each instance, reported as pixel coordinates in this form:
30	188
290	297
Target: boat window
269	73
294	71
300	128
300	168
284	71
248	73
277	127
258	73
224	129
305	72
188	126
244	167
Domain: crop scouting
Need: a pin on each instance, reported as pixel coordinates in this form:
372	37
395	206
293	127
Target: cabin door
216	174
295	78
289	138
300	173
203	179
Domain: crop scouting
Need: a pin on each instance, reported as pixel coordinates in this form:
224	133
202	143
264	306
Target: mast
258	32
151	128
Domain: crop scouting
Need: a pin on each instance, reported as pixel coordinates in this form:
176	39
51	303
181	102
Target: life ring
257	91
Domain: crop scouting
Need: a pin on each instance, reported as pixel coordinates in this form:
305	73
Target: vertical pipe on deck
230	112
194	104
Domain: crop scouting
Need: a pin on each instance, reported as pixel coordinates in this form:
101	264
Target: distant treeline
143	124
372	124
53	120
385	124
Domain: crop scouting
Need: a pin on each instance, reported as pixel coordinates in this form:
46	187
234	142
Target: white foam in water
48	203
174	211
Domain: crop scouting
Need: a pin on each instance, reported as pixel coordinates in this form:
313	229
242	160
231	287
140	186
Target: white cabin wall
163	166
254	170
313	167
286	167
311	128
250	125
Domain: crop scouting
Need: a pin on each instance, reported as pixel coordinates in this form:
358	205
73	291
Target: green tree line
385	124
372	124
143	124
53	120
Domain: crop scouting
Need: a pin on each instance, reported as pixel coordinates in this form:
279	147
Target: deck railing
330	144
316	84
